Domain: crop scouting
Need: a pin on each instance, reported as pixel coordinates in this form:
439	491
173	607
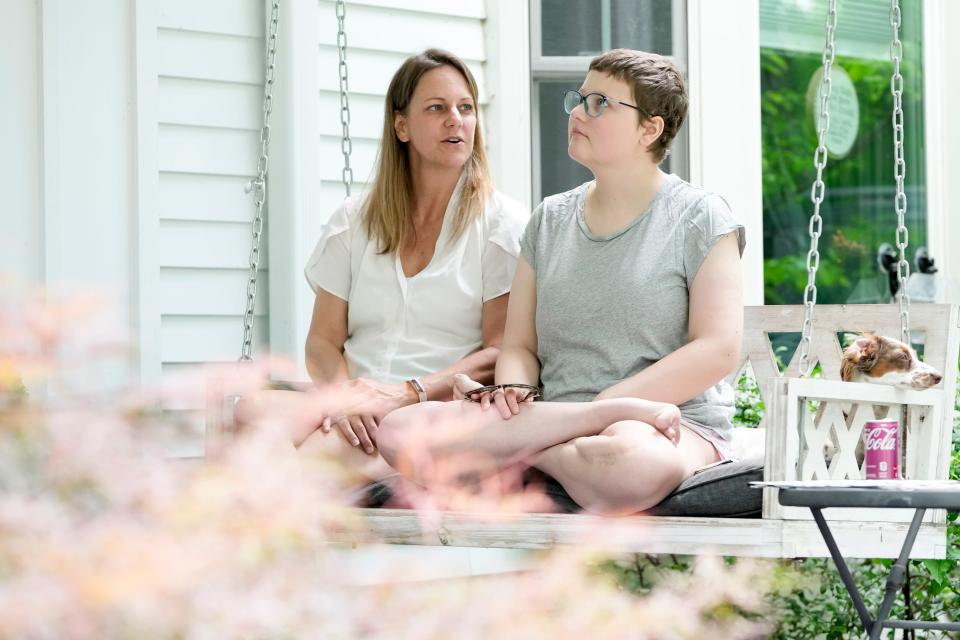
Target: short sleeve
528	241
502	246
329	266
709	220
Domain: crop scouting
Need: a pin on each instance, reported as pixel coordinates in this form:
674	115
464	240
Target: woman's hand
357	430
462	384
368	401
377	399
507	401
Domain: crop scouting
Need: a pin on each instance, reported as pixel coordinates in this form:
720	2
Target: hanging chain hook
818	190
346	144
899	171
258	185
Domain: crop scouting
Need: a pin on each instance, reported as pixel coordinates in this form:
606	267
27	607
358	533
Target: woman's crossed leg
613	456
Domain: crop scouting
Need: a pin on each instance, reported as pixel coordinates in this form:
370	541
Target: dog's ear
847	367
869	347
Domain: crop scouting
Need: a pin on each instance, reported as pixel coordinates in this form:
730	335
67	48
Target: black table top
913	494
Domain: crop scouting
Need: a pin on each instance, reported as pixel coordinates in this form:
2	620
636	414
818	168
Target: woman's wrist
407	395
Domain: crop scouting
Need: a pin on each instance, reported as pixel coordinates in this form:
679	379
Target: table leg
895	580
897	572
838	560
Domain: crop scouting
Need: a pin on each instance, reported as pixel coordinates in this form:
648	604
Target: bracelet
528	391
418	387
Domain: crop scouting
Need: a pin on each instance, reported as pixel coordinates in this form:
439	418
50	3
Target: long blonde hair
386	213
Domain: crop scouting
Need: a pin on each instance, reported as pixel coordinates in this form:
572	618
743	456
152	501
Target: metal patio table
919	495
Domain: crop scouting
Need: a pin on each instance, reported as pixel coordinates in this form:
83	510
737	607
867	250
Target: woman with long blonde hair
412	279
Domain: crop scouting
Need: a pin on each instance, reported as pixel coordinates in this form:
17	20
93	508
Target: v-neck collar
449	213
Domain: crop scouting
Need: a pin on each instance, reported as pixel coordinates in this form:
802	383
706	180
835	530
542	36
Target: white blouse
399	327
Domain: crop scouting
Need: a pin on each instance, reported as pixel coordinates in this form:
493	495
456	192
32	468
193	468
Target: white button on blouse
399	327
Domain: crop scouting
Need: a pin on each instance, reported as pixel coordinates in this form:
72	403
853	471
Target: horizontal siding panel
228	17
207	245
211	104
213	292
185	339
464	8
180	369
362	158
229	152
366	114
370	71
403	32
205	56
209	110
188	196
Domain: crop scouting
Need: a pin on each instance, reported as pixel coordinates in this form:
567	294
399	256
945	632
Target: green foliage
749	405
857	210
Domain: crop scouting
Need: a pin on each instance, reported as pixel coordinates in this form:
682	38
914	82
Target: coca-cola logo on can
882	438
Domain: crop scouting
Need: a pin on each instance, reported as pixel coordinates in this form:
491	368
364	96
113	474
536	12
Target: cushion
722	491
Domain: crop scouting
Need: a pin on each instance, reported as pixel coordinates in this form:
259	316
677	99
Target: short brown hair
386	213
658	89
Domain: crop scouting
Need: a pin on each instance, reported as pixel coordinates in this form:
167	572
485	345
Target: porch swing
794	436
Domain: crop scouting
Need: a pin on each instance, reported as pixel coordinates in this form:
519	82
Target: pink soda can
881	440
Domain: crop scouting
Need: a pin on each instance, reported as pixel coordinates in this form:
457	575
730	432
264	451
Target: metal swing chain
818	190
346	144
899	171
259	184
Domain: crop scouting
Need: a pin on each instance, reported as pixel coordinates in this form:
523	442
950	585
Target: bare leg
296	413
627	468
357	465
299	413
415	438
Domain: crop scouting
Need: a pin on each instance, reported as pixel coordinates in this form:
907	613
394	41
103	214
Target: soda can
881	444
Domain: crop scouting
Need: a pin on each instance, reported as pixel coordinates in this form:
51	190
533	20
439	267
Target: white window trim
507	126
145	281
943	52
723	52
942	140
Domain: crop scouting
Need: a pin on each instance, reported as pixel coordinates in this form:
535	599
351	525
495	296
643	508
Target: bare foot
667	422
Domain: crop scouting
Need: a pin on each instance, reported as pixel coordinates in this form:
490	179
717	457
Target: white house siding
209	66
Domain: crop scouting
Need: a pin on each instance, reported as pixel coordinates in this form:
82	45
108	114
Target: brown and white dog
882	360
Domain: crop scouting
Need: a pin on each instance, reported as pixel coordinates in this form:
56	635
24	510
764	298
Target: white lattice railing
803	444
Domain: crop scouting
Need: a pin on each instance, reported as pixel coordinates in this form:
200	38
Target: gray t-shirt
610	306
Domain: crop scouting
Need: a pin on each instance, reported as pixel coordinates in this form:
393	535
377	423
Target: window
858	212
565	36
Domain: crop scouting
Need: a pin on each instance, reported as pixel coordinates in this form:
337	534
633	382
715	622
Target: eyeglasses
593	103
524	391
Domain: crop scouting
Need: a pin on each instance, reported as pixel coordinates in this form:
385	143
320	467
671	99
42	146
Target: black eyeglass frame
605	100
474	395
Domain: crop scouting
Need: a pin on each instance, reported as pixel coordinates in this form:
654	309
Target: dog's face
882	360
